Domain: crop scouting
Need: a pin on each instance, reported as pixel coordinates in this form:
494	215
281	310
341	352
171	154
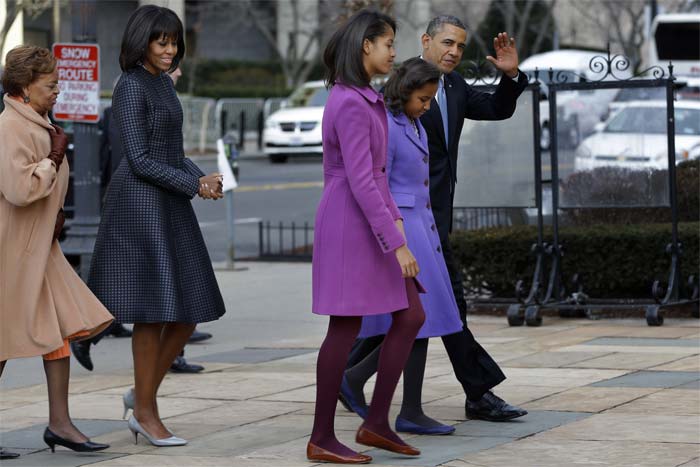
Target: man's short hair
435	25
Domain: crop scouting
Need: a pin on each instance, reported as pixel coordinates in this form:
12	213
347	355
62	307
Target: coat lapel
436	123
403	120
452	110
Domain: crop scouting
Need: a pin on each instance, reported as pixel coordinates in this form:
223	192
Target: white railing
203	119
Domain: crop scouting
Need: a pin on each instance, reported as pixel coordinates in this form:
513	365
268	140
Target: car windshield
650	120
309	97
640	94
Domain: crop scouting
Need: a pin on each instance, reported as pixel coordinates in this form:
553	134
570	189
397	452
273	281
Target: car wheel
545	137
278	158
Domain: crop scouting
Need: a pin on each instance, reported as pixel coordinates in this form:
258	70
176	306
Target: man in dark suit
443	44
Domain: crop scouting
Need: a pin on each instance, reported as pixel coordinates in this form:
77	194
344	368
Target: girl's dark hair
413	74
343	54
149	23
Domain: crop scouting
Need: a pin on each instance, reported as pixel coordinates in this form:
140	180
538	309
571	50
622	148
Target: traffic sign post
78	102
79	81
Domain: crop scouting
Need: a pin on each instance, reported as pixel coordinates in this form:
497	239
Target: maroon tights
333	356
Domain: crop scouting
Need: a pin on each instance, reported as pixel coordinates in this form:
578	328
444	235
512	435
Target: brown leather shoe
368	438
315	453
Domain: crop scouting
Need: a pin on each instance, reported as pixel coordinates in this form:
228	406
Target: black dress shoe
52	439
81	352
118	330
493	409
198	336
7	454
180	365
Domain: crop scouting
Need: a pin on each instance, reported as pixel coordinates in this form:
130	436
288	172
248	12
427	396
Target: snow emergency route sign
79	81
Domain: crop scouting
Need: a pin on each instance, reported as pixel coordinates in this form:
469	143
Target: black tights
333	356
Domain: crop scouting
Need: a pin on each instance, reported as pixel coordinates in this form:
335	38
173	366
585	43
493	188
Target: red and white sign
79	82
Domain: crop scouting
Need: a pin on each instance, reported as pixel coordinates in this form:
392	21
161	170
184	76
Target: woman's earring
26	99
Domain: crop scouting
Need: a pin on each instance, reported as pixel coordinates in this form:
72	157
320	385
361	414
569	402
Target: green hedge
612	185
614	261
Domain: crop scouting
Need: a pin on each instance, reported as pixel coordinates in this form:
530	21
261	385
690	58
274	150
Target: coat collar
422	142
27	112
367	92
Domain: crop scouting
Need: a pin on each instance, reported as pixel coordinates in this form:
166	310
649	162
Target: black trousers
474	368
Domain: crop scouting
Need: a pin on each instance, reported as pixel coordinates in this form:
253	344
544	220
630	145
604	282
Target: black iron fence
285	242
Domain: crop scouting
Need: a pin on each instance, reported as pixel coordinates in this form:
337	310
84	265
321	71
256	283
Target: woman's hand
59	144
408	263
211	186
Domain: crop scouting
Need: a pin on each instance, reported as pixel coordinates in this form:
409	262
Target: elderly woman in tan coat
43	302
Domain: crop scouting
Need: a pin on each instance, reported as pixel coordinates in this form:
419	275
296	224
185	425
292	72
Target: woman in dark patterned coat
150	266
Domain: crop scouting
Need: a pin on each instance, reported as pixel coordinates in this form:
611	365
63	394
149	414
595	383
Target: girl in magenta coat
361	264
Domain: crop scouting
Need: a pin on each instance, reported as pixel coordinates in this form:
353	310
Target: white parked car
635	137
296	128
578	111
690	90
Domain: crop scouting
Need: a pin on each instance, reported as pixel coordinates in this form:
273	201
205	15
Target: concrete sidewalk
609	392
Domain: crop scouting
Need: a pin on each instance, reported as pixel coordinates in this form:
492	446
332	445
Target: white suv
296	128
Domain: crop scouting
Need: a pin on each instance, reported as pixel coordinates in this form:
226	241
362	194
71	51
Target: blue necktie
442	103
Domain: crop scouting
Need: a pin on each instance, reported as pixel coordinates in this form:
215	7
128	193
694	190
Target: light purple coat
355	270
409	180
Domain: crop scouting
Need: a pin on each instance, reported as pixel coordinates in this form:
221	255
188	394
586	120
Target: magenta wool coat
355	270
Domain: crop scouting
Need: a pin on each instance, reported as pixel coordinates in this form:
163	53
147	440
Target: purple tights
333	356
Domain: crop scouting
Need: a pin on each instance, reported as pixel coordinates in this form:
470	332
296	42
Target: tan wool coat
42	299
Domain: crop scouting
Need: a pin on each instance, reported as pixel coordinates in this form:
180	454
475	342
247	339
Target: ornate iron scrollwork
606	68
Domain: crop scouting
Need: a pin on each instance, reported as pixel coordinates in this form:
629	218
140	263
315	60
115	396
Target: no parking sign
79	81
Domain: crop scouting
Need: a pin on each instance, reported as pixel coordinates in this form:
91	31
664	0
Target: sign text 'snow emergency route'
79	80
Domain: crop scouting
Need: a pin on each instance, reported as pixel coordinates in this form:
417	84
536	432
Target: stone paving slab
551	359
681	351
62	458
691	363
253	355
437	450
542	451
632	427
534	422
626	361
650	379
253	406
560	377
665	402
32	437
588	399
647	341
693	385
141	460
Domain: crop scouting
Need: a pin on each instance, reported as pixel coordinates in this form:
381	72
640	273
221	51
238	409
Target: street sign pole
80	238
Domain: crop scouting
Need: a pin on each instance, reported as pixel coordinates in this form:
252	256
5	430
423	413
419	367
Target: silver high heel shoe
128	400
136	428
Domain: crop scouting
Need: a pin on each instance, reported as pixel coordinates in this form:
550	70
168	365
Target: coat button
426	183
427	205
425	159
432	227
439	249
383	169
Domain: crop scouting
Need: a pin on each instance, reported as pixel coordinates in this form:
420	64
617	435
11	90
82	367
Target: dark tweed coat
150	263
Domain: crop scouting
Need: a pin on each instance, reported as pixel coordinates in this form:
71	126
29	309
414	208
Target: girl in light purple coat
408	94
361	264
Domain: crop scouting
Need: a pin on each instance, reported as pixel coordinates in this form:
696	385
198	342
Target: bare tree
620	24
302	49
32	8
523	20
